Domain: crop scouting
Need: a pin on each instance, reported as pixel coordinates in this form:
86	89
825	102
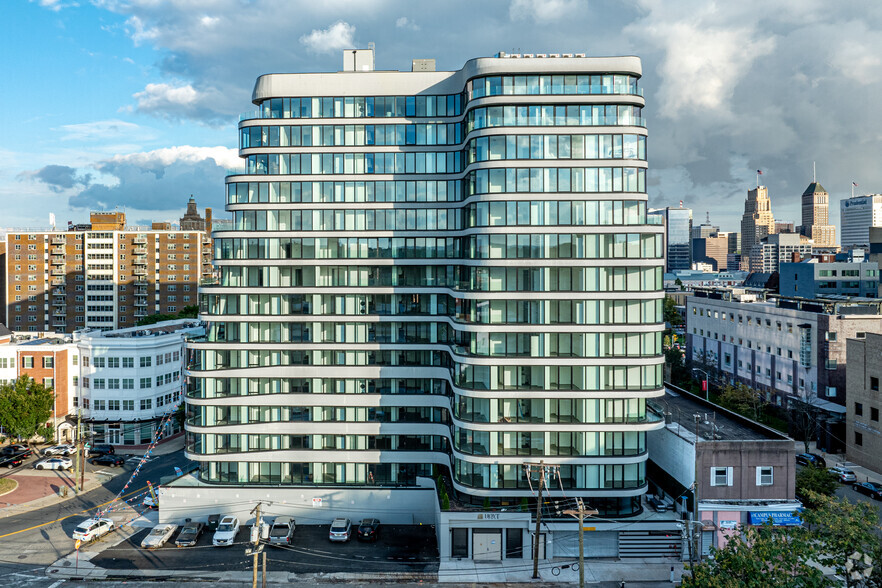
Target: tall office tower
815	215
784	227
678	236
857	215
436	268
757	221
705	229
102	275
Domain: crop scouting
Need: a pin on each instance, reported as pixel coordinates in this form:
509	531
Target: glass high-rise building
436	272
678	236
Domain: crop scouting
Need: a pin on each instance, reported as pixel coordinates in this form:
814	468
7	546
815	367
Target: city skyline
136	99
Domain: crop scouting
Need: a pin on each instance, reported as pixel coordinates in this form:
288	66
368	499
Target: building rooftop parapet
178	326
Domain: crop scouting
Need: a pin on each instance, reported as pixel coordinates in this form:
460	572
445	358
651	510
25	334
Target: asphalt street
30	541
400	548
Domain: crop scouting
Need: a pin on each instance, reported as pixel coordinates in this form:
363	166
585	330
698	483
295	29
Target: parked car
92	529
811	459
871	489
369	530
108	459
101	449
341	530
845	475
189	534
54	463
11	462
64	450
226	531
16	449
159	536
150	502
282	531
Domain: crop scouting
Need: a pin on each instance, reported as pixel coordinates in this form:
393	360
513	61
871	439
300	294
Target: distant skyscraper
706	229
678	232
815	207
784	227
858	214
758	221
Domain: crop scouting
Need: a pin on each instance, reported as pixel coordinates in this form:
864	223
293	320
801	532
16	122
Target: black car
107	459
811	459
369	530
870	489
101	449
11	461
189	534
17	450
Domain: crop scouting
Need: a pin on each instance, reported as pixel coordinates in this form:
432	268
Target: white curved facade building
437	272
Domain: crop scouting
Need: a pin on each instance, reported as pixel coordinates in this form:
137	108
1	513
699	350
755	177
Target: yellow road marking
71	515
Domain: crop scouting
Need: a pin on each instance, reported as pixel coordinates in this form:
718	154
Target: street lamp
704	383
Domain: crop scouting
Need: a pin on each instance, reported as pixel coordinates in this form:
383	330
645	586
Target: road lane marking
72	515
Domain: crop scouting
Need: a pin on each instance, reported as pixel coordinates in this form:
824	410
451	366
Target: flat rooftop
156	329
714	422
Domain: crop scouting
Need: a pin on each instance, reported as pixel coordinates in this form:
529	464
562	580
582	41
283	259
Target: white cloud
334	38
55	5
100	130
177	101
405	23
156	96
222	156
543	11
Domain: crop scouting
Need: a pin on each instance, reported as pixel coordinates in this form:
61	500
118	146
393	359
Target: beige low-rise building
863	430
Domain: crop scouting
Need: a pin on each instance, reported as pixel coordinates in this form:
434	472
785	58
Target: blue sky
134	103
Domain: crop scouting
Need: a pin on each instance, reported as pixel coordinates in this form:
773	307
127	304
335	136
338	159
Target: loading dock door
514	543
487	544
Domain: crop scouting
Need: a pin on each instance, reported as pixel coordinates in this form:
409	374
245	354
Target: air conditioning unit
540	55
554	54
526	55
566	54
579	55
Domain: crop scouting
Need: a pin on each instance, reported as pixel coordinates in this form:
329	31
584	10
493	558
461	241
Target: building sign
489	516
728	524
316	502
779	518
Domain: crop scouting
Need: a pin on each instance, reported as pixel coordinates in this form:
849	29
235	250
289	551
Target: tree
674	358
811	481
25	407
191	311
742	399
679	282
758	557
836	529
802	419
670	313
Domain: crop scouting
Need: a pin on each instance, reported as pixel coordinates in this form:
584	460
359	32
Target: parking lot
410	548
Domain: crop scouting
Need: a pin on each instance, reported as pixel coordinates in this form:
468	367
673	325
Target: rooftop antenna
707	222
813	173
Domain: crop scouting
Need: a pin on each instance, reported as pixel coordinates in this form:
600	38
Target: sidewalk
863	474
37	489
637	570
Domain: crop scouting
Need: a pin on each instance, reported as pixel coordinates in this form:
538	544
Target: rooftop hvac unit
579	55
540	55
554	54
566	54
528	55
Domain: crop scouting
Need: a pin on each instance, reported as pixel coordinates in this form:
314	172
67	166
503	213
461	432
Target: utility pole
542	469
694	547
263	565
80	462
256	544
580	513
